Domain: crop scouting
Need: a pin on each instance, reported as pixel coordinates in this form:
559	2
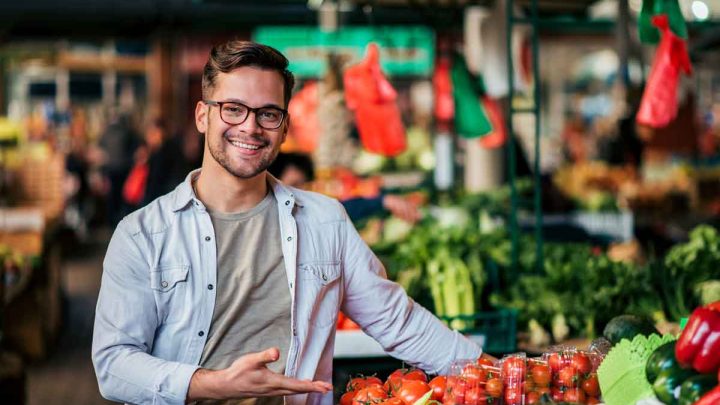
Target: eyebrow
236	100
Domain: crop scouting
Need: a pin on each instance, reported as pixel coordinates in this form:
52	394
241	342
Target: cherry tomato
475	396
541	375
532	398
574	395
557	361
568	377
592	401
591	385
513	395
513	369
412	390
347	398
369	394
484	361
438	385
474	375
494	387
455	392
581	362
557	394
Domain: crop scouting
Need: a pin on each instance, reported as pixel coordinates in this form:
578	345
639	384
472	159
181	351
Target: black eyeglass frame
249	110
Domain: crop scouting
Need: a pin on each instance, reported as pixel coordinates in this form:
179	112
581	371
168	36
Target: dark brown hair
236	54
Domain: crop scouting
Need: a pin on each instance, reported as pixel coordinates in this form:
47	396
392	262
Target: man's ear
201	117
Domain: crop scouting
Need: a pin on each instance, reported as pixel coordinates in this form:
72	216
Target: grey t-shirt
252	304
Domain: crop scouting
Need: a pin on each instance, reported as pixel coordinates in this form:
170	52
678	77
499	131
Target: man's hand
248	376
402	208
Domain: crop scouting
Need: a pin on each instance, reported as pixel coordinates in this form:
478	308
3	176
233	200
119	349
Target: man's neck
220	191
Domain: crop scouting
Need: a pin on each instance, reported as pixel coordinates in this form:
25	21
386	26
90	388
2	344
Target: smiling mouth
244	145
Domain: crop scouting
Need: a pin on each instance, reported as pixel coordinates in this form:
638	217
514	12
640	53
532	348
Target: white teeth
244	145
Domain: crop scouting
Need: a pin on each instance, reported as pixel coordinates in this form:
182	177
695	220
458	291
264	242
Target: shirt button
287	202
164	284
201	333
289	238
210	287
207	239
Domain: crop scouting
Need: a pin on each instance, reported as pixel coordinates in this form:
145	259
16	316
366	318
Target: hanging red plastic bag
471	121
369	94
442	85
498	136
648	32
134	186
659	104
304	128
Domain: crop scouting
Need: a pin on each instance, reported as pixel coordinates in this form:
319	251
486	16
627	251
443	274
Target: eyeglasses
235	113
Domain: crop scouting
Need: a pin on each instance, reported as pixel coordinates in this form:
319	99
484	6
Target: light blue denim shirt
157	298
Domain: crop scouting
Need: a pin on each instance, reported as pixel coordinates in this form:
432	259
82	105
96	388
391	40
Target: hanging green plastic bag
649	34
471	120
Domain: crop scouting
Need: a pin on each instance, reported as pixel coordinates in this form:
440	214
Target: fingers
294	386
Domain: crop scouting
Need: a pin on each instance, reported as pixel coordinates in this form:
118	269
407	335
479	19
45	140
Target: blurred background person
297	169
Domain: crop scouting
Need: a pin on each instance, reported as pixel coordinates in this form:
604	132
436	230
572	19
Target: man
229	286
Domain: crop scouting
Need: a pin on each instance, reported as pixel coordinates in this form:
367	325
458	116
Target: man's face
244	150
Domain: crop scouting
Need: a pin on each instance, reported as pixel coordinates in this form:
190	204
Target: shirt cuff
175	387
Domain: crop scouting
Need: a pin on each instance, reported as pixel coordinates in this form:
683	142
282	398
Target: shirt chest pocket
169	283
320	291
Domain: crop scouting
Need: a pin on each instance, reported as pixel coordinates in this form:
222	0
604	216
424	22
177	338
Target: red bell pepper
699	343
712	397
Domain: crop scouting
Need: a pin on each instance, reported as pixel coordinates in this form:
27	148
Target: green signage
403	50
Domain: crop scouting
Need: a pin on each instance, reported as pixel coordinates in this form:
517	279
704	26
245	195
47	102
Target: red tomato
370	394
557	394
532	398
438	385
347	398
581	362
494	387
475	396
484	361
591	385
455	392
359	383
474	375
409	374
513	369
513	395
592	401
557	361
412	390
574	395
528	385
541	375
568	377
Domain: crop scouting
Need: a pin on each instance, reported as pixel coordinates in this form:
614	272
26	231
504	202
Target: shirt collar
184	193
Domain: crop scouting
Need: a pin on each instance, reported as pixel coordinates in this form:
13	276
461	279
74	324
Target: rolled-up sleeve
381	307
125	324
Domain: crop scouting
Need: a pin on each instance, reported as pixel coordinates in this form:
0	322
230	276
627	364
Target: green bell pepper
667	385
695	387
663	358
